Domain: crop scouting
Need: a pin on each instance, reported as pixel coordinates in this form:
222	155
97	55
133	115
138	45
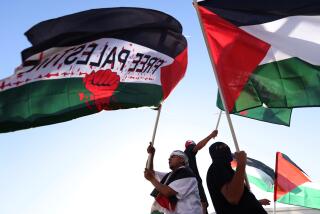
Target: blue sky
95	164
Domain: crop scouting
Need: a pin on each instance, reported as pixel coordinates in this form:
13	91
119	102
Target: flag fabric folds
293	186
266	54
280	116
288	176
288	184
258	173
100	59
305	195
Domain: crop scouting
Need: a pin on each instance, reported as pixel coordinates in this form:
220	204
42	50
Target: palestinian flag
266	53
259	174
100	59
293	186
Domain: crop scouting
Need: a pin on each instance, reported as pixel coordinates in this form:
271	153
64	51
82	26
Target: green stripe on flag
51	101
302	196
130	95
288	83
279	116
277	87
260	183
42	97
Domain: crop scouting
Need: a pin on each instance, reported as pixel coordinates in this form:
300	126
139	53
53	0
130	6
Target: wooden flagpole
154	134
195	4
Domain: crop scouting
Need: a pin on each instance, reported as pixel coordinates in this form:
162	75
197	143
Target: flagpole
219	86
154	134
275	183
218	120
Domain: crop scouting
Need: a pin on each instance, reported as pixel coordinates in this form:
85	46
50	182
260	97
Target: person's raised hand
241	158
151	149
214	134
148	174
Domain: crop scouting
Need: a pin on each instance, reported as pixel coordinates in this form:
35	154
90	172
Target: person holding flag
175	192
227	188
191	150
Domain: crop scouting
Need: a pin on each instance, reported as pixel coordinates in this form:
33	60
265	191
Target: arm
204	142
150	175
162	188
233	190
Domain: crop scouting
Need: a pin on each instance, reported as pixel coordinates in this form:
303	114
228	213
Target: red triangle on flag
236	53
288	176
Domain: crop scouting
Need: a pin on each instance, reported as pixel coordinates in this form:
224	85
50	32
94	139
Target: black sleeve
189	151
221	177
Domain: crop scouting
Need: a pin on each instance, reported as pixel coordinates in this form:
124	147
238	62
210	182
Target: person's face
175	162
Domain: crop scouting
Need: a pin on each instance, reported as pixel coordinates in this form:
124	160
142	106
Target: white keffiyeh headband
181	154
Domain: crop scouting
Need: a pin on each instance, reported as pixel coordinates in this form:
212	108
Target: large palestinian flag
266	54
293	186
100	59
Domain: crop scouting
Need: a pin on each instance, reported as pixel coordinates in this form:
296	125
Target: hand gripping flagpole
154	134
195	4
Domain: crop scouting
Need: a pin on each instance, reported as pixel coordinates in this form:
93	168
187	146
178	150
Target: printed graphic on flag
108	66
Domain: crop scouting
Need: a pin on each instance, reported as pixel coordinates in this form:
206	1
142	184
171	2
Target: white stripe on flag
296	36
132	62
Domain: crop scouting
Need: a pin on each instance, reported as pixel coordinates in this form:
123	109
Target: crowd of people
180	191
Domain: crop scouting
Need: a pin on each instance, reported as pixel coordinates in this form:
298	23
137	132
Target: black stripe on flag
259	165
252	12
146	27
292	163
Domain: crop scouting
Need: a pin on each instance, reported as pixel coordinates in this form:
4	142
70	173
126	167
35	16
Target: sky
95	164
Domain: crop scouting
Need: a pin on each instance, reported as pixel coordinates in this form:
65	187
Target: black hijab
220	153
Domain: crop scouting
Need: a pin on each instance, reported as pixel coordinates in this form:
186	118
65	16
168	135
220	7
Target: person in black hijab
191	150
227	188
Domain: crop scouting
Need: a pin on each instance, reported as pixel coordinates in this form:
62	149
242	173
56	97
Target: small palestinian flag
100	59
288	176
293	186
258	174
265	53
289	189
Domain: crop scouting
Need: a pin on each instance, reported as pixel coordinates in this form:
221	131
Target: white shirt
187	195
